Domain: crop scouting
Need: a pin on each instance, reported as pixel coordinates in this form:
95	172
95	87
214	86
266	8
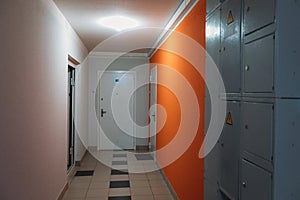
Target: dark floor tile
119	162
143	156
119	172
119	198
85	173
119	184
119	155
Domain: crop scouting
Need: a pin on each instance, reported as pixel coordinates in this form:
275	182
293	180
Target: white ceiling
83	16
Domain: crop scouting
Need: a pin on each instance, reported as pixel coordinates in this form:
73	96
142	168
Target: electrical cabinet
256	46
229	145
230	60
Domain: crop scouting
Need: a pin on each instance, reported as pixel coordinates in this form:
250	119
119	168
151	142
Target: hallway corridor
94	180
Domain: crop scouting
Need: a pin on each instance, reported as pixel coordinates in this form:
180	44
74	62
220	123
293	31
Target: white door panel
116	110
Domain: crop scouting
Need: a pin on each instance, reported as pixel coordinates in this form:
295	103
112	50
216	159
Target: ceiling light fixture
118	23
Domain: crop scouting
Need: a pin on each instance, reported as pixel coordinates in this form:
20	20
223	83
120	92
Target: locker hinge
272	107
274	37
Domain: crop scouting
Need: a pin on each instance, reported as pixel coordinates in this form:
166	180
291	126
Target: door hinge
71	151
72	81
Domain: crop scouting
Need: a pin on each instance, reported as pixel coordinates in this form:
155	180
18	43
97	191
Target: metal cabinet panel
256	183
212	160
212	165
287	142
257	14
231	45
210	190
229	146
257	130
259	65
213	41
211	5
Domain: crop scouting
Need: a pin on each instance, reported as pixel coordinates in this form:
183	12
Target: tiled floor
124	176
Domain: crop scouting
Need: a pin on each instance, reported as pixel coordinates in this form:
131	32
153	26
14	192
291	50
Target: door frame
153	75
97	103
71	110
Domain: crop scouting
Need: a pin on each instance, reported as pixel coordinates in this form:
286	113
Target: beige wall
35	43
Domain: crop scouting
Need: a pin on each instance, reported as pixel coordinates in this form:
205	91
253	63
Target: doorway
72	63
71	127
116	110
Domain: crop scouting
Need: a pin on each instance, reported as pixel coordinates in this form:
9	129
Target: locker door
259	64
258	129
257	14
230	45
256	183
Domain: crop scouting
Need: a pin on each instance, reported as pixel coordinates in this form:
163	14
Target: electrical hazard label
230	18
229	119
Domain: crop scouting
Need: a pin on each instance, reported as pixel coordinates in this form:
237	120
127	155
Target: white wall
100	63
35	43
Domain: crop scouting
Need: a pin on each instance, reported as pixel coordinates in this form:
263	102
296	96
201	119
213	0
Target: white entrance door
153	94
116	110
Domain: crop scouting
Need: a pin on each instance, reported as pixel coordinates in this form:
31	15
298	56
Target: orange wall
186	174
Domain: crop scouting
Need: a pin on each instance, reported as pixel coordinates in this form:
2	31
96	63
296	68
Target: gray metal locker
259	65
230	60
257	129
229	148
257	14
269	120
256	183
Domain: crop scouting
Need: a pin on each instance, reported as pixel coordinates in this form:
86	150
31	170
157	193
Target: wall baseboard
70	175
64	190
78	163
173	193
142	147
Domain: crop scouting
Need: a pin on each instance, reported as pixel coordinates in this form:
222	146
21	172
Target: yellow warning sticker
229	119
230	18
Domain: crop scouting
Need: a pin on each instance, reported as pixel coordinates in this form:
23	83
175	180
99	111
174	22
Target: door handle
102	112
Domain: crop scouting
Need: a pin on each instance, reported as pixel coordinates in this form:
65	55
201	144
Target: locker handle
247	68
244	185
246	126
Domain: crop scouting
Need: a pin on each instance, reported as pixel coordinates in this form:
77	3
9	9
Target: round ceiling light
118	23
